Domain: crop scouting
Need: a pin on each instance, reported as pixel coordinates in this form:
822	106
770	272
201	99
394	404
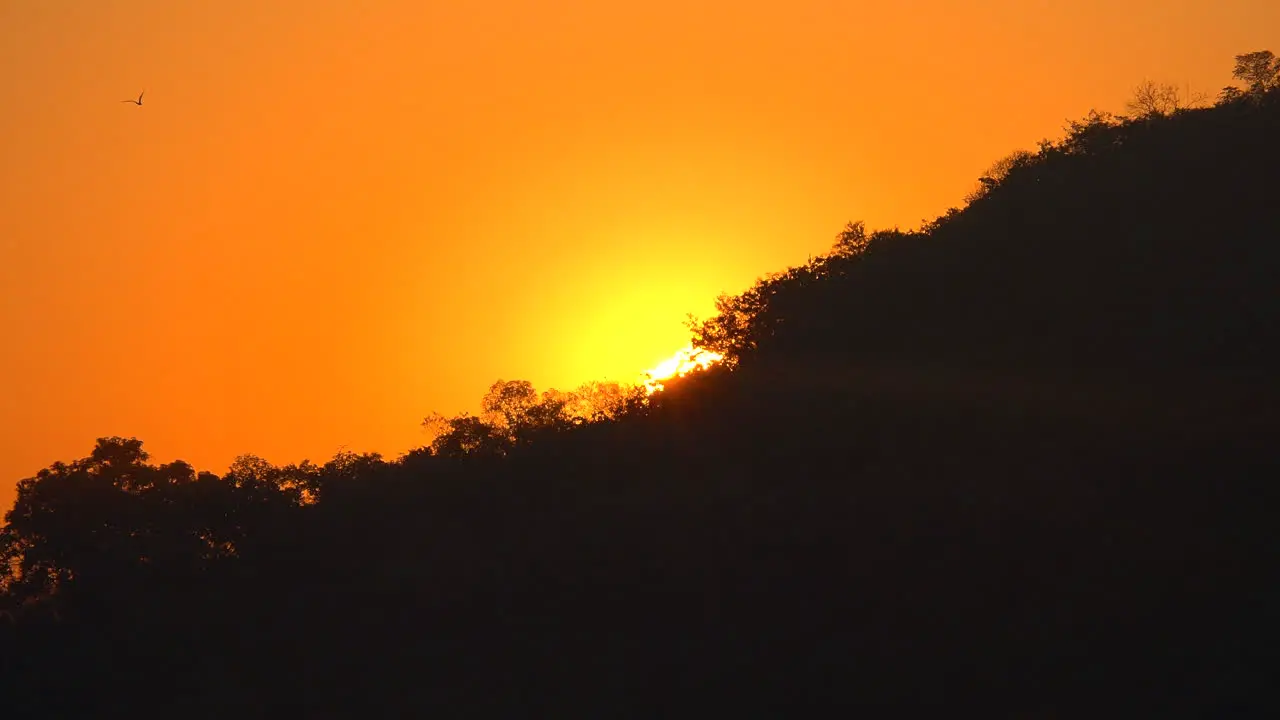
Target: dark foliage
1019	461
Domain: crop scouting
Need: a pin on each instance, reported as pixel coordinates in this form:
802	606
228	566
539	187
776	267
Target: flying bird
138	101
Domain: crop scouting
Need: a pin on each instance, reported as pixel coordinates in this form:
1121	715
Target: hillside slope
1019	462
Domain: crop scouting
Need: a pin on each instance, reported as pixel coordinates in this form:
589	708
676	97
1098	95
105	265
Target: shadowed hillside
1020	461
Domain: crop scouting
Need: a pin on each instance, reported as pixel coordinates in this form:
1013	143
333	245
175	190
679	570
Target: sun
684	361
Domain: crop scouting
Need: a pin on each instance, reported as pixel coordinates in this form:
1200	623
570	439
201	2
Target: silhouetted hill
1018	462
1144	244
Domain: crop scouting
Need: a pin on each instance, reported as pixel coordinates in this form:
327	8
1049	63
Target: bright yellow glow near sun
683	362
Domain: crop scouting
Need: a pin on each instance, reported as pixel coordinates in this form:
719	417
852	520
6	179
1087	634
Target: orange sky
331	217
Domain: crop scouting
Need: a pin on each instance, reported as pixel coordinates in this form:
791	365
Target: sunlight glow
680	364
554	205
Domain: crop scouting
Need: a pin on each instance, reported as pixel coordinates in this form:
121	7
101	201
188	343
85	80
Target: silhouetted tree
1151	98
465	435
604	401
1260	71
509	404
852	240
513	413
998	171
1019	458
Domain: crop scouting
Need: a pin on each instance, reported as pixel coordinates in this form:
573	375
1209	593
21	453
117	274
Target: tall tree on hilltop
1260	71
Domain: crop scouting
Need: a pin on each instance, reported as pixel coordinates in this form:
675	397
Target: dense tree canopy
1019	459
